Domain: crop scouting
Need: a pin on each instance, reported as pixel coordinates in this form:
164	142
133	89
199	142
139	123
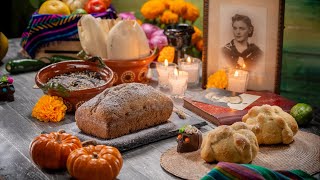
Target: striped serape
225	171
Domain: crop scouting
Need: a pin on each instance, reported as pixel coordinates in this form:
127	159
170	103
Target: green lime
302	113
79	11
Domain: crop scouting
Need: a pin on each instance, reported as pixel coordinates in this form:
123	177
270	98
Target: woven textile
225	170
45	28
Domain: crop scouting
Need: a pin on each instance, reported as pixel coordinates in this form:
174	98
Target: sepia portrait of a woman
240	52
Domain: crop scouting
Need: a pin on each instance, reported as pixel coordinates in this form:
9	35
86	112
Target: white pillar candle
178	82
191	65
238	80
164	69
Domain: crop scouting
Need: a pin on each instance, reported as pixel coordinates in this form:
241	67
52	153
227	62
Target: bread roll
274	125
235	143
123	109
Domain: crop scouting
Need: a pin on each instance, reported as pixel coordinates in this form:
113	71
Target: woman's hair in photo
246	20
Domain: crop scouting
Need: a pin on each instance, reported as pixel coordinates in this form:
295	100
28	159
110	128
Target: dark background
14	16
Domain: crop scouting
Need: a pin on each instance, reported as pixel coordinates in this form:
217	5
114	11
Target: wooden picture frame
223	34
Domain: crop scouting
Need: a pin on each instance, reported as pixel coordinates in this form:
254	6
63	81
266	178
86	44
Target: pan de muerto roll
235	143
273	125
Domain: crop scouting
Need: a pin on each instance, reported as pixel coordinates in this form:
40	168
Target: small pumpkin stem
95	155
61	131
89	142
58	137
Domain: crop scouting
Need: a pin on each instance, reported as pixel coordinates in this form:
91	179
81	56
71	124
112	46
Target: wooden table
18	128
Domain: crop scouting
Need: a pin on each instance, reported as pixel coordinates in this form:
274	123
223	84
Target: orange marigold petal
196	36
178	6
218	80
192	12
199	45
152	9
49	108
169	17
167	53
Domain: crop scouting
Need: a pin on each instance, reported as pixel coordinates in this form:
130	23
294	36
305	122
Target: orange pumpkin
51	151
95	162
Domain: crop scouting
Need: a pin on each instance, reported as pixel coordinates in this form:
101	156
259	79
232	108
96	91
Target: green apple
79	11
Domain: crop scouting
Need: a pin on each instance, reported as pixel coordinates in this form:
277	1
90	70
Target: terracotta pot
73	99
128	71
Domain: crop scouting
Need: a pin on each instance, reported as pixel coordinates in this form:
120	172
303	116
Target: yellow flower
169	17
199	45
191	13
152	9
166	53
178	7
49	108
196	36
218	80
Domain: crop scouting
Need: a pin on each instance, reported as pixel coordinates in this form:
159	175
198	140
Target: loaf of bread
235	143
123	109
273	125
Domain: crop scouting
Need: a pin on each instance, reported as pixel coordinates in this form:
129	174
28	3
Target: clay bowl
128	71
73	99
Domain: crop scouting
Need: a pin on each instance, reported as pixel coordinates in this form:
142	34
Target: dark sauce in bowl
78	80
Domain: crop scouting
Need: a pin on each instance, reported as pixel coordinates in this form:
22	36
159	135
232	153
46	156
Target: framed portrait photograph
246	35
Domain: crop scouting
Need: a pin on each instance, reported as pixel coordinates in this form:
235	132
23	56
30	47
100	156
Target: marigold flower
166	53
199	45
167	3
152	9
196	36
178	7
169	17
191	13
49	108
218	80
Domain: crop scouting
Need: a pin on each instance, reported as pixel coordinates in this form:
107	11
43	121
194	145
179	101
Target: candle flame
244	66
188	59
236	74
166	62
175	72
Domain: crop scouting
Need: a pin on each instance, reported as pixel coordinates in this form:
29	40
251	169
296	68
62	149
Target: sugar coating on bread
273	125
235	143
123	109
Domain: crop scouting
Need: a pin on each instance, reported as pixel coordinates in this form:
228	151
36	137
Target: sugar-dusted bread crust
235	143
123	109
274	125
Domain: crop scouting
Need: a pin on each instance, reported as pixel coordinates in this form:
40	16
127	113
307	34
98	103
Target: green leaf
84	56
182	129
63	92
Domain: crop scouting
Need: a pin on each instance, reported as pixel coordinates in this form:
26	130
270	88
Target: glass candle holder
163	70
192	66
238	80
178	82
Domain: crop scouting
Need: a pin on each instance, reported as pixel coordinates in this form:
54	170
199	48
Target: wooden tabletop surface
18	128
